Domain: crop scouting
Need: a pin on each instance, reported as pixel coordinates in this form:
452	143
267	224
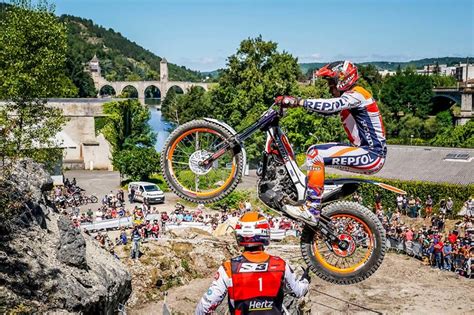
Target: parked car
145	190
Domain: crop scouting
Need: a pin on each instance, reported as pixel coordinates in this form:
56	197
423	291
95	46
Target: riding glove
287	101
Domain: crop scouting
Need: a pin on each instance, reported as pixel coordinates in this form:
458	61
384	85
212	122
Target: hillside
392	66
121	59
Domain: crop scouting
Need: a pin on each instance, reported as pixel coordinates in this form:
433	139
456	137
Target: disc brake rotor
195	162
348	247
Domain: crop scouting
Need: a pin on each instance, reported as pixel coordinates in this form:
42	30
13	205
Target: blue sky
201	34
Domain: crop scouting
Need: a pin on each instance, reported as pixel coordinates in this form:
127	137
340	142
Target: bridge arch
201	88
129	91
177	89
107	90
152	95
442	102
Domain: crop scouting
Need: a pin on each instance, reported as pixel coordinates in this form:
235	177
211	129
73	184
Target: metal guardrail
410	248
127	222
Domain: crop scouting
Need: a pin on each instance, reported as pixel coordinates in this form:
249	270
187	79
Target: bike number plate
250	267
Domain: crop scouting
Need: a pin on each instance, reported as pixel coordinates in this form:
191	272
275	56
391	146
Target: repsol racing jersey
360	116
254	284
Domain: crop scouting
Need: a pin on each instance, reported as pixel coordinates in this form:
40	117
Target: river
160	126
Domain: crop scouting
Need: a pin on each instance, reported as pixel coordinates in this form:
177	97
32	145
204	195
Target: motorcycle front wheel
181	158
363	241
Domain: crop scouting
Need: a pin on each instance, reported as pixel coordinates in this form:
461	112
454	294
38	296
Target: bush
438	191
138	163
232	200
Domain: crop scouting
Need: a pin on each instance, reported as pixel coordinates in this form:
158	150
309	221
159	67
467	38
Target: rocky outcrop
174	261
72	246
45	263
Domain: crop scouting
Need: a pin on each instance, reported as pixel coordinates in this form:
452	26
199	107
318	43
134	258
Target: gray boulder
47	265
72	246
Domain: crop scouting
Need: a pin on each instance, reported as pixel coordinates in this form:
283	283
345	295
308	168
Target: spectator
179	217
155	229
447	253
412	207
378	201
442	206
123	236
404	204
248	205
188	217
131	196
428	206
121	196
418	206
400	203
164	218
438	253
136	239
449	207
105	200
90	213
469	204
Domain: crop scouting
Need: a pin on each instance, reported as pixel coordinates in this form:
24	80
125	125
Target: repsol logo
353	160
260	305
325	106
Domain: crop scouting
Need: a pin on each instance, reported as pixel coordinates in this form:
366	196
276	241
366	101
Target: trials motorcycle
203	161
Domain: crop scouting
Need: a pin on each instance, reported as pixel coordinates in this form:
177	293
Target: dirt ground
402	285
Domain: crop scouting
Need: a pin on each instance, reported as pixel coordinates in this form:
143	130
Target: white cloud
314	57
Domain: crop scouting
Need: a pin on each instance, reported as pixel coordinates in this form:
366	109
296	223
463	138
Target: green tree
138	163
81	79
412	126
131	138
126	125
459	136
255	74
181	108
169	107
32	68
443	81
407	92
372	77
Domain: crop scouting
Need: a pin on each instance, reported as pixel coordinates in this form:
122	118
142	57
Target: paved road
101	183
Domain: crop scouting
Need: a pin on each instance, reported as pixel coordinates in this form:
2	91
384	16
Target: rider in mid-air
362	122
254	281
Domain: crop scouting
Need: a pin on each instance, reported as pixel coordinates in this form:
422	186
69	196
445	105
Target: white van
145	190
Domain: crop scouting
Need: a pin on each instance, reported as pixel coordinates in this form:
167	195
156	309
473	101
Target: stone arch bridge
462	96
157	88
142	86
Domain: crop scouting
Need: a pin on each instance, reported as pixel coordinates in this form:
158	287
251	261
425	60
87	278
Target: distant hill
393	65
120	58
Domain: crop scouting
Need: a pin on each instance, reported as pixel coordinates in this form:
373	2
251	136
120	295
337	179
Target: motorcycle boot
314	188
310	211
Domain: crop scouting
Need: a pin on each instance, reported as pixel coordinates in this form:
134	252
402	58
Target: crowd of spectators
450	250
415	207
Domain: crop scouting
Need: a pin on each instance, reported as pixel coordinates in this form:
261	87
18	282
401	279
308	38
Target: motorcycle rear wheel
191	143
326	263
